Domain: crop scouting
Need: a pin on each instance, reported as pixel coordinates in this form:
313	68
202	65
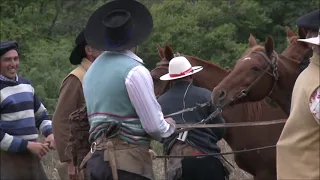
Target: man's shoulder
202	90
24	80
164	97
76	75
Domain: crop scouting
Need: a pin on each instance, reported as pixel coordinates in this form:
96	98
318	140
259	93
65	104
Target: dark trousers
203	168
98	169
21	166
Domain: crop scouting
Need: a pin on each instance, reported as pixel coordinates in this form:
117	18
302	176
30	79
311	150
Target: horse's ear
168	53
302	33
252	41
290	33
268	45
160	51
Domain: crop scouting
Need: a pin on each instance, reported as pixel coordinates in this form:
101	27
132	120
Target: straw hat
180	67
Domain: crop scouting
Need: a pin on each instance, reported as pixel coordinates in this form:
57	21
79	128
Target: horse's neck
295	53
288	70
210	76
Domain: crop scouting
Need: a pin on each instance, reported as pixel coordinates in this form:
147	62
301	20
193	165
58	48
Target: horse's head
296	49
256	71
161	68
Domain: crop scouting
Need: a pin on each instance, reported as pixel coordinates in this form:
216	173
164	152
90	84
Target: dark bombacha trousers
21	166
203	168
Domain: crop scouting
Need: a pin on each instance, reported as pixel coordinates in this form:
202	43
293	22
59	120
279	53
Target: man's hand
37	148
170	121
152	154
73	172
50	141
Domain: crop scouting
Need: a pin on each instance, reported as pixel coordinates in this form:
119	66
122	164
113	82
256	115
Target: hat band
182	73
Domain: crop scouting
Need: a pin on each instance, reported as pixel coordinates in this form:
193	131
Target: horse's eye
255	68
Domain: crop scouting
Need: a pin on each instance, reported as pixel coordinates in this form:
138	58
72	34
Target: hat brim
314	40
167	77
95	31
77	54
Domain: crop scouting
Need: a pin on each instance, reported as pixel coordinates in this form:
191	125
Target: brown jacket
298	149
70	99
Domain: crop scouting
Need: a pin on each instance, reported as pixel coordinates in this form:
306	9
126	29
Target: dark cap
6	46
310	21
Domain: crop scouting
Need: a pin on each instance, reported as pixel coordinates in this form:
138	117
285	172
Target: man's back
173	101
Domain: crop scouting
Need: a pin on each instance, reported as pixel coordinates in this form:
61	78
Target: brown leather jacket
70	99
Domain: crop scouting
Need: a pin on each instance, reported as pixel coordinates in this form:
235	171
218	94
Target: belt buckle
93	147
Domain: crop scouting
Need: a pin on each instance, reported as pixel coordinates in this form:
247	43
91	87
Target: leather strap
112	159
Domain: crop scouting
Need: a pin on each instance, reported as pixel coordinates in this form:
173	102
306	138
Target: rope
216	154
186	127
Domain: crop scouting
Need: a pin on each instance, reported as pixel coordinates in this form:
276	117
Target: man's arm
71	94
43	121
315	104
11	143
139	85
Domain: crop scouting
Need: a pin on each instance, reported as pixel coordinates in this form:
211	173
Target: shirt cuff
169	130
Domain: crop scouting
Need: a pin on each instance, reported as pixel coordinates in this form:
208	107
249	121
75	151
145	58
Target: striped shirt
140	88
21	113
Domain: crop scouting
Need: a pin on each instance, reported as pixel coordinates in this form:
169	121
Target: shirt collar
130	54
86	63
4	78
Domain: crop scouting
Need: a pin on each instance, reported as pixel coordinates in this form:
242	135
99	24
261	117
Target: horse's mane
255	48
254	110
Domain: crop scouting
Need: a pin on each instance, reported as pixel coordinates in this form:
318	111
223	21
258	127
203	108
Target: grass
50	160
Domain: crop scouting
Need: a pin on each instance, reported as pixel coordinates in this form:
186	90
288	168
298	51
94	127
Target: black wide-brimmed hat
118	25
78	52
310	21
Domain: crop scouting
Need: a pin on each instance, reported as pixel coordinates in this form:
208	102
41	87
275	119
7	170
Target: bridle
272	64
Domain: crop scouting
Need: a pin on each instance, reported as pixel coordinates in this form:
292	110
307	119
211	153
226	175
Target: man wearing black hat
123	112
309	23
22	115
70	99
298	148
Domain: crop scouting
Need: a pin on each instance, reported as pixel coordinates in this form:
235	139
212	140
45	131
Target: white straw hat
180	67
314	40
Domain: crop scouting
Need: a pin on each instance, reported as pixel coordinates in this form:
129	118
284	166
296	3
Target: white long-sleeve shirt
140	89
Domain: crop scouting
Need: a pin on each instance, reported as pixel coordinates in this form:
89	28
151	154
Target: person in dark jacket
184	95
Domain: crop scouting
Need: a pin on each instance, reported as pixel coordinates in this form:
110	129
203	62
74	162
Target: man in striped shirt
21	116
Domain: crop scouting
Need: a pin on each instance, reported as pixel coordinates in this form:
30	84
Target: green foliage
214	30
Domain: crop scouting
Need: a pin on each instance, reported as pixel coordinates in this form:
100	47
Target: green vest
107	98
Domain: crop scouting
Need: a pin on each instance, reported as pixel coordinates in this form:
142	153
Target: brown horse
260	164
261	72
